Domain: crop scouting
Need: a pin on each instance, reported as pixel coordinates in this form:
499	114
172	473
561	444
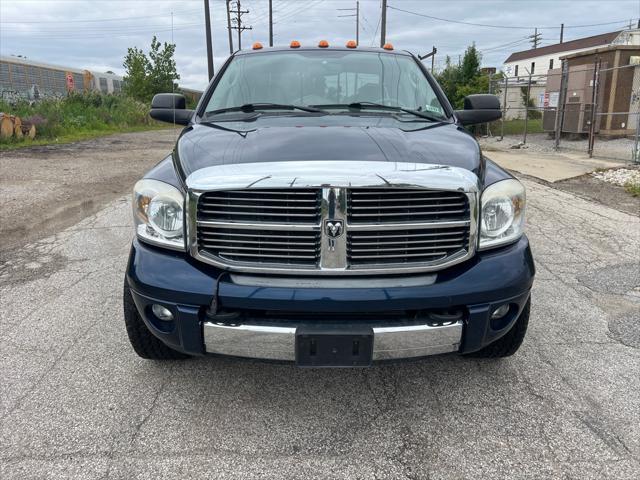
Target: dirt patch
47	188
586	186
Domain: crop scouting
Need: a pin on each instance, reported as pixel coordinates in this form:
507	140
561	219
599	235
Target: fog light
162	313
500	312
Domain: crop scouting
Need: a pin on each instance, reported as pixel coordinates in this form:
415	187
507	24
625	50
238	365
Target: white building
538	61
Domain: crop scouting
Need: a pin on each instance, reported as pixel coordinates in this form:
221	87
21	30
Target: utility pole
238	23
357	15
431	54
561	32
229	27
535	38
270	23
207	22
357	23
383	24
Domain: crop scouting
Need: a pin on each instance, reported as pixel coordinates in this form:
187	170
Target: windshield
325	78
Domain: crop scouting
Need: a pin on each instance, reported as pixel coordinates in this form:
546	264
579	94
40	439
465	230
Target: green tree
136	82
147	75
470	68
163	74
464	79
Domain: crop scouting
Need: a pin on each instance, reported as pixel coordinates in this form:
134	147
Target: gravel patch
619	176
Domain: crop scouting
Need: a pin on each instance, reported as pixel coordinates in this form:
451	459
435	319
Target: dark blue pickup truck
326	206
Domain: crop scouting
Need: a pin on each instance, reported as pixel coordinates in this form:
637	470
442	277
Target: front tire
145	344
508	344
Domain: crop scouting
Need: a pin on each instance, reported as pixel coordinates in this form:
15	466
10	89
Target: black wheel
142	340
510	343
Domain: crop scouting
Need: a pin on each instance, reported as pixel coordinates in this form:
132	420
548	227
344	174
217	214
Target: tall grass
79	116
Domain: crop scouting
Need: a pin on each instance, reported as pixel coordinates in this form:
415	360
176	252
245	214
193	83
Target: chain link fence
590	108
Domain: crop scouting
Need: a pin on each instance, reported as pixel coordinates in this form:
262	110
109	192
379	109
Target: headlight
158	213
502	213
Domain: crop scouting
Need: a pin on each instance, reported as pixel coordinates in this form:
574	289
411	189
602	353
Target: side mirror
170	108
481	108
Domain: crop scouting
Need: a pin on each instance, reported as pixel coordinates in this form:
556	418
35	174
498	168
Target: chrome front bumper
278	343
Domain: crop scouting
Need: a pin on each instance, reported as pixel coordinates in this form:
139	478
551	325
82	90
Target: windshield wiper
380	106
253	107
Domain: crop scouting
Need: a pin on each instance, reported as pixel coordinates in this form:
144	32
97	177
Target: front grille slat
415	242
264	213
424	205
403	248
406	255
231	242
297	206
224	254
407	213
355	200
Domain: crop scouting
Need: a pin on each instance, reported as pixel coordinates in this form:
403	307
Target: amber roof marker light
352	44
294	44
323	44
387	46
257	46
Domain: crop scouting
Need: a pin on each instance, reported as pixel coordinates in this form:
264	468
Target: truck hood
305	139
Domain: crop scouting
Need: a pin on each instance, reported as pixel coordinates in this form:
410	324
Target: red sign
70	85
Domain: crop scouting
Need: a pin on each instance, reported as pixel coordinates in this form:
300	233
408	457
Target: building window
533	68
551	64
516	71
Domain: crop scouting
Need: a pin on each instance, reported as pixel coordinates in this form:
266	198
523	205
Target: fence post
560	107
504	108
594	102
526	110
636	145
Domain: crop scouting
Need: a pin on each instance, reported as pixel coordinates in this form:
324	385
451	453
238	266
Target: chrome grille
405	205
332	217
406	246
261	246
297	206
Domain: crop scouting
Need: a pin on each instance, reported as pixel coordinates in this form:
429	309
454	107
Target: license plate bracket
334	346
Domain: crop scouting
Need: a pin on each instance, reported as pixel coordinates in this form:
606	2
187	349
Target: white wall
542	63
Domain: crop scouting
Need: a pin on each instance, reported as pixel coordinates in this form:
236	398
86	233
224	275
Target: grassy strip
78	117
632	188
76	136
516	127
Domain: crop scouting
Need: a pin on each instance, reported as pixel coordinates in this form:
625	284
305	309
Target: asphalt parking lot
75	401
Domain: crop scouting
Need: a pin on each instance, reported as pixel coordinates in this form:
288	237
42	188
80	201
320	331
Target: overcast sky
95	34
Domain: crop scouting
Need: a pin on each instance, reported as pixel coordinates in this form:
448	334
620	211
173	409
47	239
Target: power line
504	45
124	33
511	27
373	40
119	19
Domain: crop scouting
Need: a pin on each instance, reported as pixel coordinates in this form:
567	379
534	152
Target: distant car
325	206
